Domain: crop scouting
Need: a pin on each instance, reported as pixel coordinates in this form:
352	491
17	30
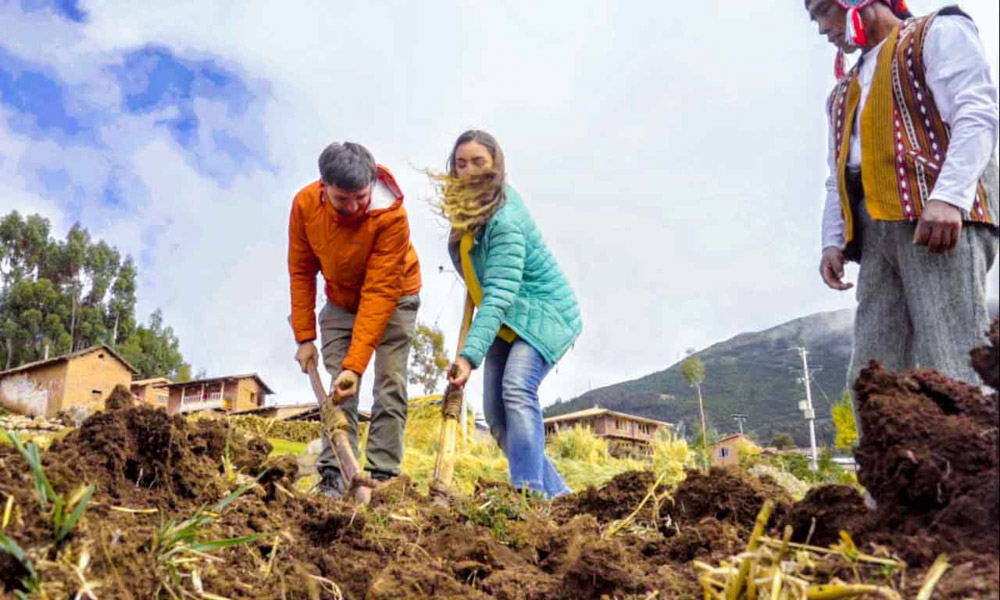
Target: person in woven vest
912	191
526	316
351	226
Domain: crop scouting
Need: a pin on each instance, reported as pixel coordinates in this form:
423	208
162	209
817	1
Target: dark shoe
380	477
331	484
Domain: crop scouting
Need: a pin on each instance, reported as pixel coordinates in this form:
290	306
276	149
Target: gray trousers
384	449
918	309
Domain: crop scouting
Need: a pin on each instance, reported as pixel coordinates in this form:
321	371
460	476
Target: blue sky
676	171
66	9
38	101
149	83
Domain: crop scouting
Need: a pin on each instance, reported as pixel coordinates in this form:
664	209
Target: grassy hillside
753	373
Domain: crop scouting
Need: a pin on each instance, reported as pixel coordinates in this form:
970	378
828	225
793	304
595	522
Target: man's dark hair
348	166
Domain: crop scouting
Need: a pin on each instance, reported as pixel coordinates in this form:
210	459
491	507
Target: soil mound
119	398
152	470
614	500
132	450
709	539
986	359
726	494
824	512
928	456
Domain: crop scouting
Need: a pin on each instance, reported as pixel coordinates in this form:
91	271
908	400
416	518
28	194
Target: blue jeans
511	376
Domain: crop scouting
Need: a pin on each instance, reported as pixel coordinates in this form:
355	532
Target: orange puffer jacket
368	263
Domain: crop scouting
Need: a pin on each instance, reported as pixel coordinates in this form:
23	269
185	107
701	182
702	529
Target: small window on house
95	394
100	355
723	452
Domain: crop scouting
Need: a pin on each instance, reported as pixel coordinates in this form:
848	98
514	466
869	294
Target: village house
152	392
80	380
230	394
725	452
295	412
282	412
627	435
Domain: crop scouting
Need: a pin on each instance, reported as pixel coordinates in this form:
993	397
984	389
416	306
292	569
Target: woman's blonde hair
468	203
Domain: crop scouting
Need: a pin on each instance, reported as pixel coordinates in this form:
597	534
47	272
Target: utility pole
740	418
807	407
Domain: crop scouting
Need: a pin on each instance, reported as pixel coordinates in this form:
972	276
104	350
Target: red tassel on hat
856	28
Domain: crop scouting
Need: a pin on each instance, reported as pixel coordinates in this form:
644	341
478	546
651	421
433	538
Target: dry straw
782	570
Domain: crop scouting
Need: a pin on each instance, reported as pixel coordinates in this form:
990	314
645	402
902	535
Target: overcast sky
672	153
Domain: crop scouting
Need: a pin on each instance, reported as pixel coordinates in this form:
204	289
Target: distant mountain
753	373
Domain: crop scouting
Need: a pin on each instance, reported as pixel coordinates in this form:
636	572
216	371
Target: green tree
693	371
121	306
783	441
428	359
702	450
69	257
184	373
23	245
155	351
59	296
843	419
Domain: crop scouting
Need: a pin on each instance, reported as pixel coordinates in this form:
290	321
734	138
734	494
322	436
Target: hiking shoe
331	484
380	477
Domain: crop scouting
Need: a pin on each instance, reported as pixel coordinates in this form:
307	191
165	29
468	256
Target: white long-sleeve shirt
958	75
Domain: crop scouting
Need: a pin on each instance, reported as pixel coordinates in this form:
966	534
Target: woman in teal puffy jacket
526	316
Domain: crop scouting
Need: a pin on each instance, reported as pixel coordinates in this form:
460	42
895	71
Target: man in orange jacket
351	225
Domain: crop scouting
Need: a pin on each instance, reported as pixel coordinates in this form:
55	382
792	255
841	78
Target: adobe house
626	434
81	379
152	392
725	452
281	412
312	414
230	394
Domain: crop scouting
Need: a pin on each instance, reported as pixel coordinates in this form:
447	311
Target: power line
825	397
442	270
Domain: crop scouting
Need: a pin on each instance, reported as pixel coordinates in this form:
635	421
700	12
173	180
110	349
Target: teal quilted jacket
523	287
